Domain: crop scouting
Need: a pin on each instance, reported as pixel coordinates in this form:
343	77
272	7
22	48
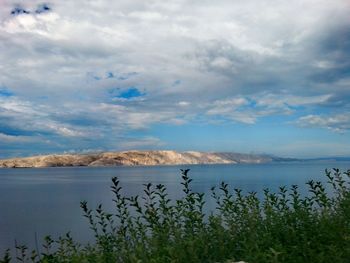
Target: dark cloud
18	10
110	75
43	8
333	56
7	128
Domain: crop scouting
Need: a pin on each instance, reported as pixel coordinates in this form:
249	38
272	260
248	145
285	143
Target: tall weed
281	227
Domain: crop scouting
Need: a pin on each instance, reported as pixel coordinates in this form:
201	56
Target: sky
253	76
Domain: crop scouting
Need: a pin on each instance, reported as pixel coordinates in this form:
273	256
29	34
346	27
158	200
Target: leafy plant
281	227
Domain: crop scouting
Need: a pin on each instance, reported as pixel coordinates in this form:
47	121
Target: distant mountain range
326	159
133	158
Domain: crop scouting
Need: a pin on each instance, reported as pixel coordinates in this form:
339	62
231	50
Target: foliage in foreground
283	227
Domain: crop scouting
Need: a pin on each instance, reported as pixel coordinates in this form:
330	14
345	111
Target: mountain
132	158
328	159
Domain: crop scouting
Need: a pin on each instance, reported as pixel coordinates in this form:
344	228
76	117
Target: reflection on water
46	201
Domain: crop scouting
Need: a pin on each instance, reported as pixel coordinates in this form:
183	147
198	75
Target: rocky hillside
132	158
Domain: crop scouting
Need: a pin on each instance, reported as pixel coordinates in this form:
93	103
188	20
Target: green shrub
282	227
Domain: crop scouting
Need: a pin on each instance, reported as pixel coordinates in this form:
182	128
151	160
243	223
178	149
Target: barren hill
133	158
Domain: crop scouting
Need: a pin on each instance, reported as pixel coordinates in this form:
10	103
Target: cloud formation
104	75
338	123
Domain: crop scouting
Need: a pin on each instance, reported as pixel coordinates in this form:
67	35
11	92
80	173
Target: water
46	201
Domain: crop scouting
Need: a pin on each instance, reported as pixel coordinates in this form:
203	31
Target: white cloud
338	123
184	103
249	109
26	116
141	143
221	62
222	107
283	100
64	131
235	60
5	138
109	34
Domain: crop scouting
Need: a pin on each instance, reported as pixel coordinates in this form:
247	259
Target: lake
46	200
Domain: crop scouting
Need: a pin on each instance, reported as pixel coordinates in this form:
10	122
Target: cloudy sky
262	76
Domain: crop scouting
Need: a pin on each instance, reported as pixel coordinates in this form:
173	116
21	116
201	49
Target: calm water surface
46	201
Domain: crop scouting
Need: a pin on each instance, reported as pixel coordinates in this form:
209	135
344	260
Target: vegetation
281	227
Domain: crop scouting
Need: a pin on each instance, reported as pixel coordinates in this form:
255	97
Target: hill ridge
135	157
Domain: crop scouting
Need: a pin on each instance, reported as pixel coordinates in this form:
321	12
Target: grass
281	227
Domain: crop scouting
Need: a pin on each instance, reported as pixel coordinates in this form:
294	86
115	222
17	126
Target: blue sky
261	76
